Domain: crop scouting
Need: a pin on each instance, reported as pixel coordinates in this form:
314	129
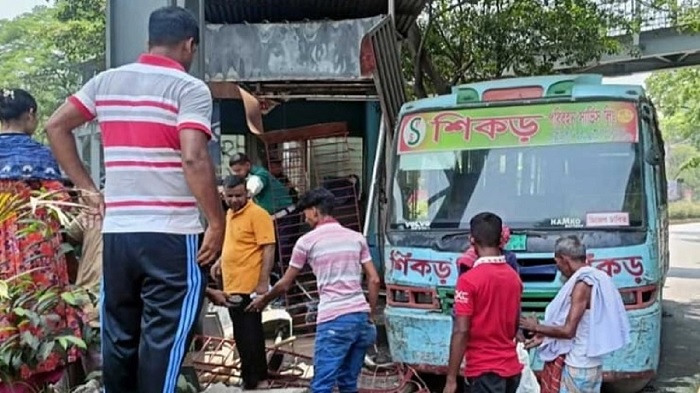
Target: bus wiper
453	235
528	232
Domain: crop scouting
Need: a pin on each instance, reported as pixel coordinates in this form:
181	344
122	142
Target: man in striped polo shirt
344	329
155	121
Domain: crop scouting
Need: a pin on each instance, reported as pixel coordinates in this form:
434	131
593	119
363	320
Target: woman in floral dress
27	168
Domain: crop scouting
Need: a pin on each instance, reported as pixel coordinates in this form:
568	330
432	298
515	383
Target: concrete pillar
127	29
197	8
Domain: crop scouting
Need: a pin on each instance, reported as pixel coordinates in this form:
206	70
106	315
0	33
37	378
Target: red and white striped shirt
141	108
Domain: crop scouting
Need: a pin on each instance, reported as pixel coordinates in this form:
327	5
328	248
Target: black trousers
152	294
250	343
492	383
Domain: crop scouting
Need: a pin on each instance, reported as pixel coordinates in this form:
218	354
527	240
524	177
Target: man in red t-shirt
487	306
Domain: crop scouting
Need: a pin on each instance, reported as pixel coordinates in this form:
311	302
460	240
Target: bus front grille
537	269
532	301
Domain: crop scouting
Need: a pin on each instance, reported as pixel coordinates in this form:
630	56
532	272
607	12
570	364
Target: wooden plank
232	91
316	131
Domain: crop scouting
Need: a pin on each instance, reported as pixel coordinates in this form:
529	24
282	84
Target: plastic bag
528	381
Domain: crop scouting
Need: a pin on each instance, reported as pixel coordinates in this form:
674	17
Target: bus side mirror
653	156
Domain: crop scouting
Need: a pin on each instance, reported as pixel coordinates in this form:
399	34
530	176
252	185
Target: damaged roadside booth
309	90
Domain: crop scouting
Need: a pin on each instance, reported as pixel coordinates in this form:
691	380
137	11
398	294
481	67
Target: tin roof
259	11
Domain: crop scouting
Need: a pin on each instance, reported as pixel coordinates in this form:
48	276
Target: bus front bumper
421	339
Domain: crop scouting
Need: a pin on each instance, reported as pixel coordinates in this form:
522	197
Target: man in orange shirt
246	261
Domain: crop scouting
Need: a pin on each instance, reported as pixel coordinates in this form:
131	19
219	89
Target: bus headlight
410	297
639	297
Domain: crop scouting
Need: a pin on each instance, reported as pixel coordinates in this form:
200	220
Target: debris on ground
91	386
217	367
221	388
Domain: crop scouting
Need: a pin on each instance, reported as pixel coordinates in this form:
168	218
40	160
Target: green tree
50	50
28	59
459	41
82	34
676	94
679	154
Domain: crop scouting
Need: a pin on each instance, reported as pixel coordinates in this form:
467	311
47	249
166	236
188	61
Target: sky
11	8
634	79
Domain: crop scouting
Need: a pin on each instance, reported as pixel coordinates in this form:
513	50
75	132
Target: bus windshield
590	182
539	187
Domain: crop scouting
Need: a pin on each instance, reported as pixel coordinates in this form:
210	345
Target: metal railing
647	15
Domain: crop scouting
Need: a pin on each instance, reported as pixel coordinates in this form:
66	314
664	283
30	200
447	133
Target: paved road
680	357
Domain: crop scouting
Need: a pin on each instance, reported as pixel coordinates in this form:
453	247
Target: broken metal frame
212	366
312	156
294	369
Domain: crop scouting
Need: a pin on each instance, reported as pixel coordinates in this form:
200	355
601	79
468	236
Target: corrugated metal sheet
318	51
340	90
259	11
388	78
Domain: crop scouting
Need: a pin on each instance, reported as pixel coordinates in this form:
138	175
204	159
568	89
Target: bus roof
528	89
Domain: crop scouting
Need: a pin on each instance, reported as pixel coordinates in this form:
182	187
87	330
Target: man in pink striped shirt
155	121
344	329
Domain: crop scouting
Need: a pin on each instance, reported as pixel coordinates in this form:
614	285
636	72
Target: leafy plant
32	330
34	336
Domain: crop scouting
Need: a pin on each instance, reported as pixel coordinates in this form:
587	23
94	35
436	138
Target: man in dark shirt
277	170
487	296
266	191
